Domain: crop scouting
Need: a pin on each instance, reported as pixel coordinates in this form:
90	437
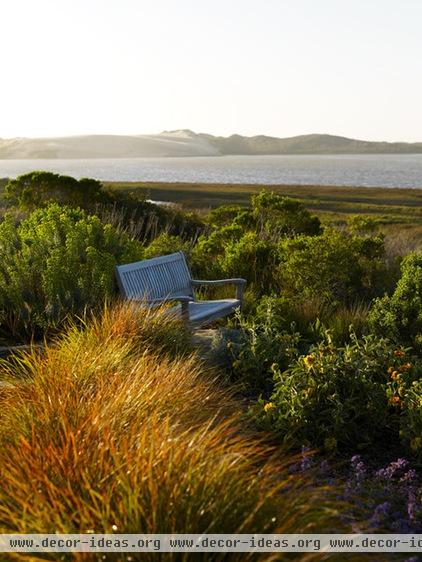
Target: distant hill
188	143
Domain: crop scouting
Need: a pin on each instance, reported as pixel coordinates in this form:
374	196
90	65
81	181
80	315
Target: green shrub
166	244
283	216
261	345
127	211
244	240
334	396
363	224
399	316
131	213
224	215
209	250
405	394
313	316
252	258
57	261
335	267
39	188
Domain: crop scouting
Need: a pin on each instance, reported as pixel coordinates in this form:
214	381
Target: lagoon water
369	170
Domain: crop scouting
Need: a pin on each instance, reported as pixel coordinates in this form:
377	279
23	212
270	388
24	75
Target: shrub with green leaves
334	396
57	261
404	391
399	316
39	188
224	215
285	216
209	250
252	258
165	244
335	266
261	345
363	224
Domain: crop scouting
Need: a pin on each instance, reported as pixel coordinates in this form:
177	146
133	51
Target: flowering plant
338	396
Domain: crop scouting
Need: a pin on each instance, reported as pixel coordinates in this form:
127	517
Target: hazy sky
277	67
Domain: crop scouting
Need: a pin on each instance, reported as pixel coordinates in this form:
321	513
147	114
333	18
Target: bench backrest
166	276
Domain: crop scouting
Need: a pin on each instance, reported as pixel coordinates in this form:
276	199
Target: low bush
209	249
253	259
405	394
399	316
224	215
262	344
39	189
166	244
311	317
335	397
335	267
275	215
58	261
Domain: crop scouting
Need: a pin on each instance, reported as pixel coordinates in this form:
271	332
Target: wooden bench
168	278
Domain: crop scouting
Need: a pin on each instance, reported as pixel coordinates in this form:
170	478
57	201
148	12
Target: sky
274	67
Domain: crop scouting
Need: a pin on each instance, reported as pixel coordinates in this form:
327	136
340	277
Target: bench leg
185	311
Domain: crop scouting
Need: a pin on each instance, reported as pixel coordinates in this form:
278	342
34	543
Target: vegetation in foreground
325	356
118	427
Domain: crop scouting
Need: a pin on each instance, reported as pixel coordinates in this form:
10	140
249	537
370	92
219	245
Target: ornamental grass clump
118	427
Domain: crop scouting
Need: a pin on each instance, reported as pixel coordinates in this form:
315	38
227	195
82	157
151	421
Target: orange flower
394	375
399	353
405	367
395	400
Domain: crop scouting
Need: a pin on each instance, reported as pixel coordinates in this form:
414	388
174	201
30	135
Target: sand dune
188	143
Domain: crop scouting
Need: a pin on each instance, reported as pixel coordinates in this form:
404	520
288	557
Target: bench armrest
239	283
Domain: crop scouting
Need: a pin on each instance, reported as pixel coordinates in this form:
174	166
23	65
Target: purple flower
411	504
409	476
381	510
358	468
381	513
391	470
306	461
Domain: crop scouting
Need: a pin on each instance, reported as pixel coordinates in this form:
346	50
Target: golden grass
111	425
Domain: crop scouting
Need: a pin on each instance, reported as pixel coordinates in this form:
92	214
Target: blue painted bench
166	279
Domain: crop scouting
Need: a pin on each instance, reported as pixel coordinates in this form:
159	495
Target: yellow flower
309	360
268	406
416	443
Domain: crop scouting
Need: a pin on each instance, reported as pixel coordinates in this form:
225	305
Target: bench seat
206	311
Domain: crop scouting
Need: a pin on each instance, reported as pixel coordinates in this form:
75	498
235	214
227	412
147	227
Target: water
369	170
